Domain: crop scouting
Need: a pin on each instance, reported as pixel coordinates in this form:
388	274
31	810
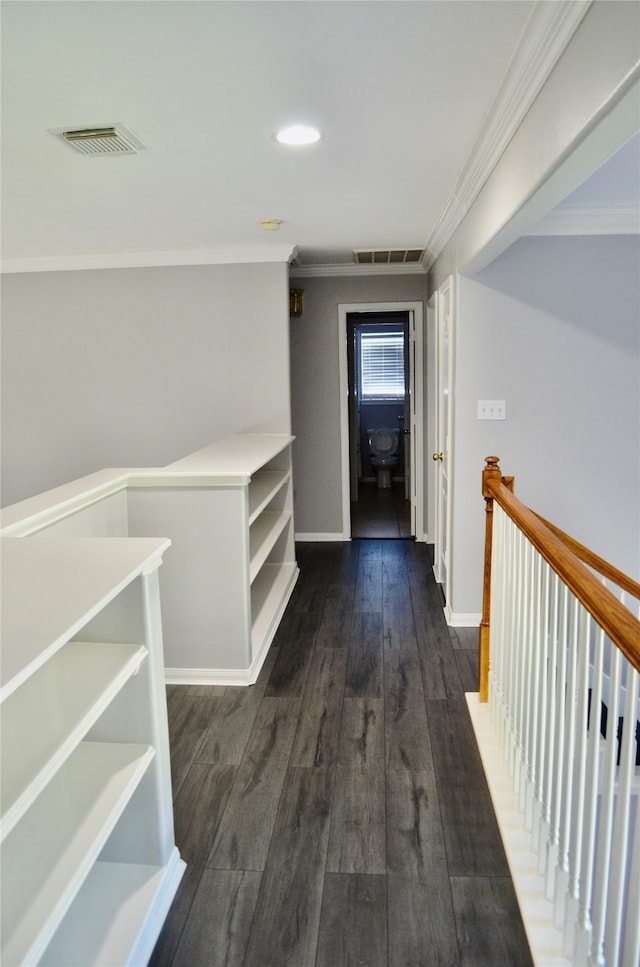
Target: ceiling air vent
387	256
110	140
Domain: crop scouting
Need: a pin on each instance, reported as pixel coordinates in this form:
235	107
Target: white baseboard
208	676
166	889
313	538
545	941
457	619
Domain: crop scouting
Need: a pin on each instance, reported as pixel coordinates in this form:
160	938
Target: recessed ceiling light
298	134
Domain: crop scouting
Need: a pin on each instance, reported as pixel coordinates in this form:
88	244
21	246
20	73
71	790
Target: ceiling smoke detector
113	139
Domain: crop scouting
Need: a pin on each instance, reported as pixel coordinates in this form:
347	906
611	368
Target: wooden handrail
619	578
617	621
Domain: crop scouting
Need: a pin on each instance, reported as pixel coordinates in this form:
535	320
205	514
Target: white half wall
551	327
137	367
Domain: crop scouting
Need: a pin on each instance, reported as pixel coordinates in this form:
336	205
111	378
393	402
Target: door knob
437	456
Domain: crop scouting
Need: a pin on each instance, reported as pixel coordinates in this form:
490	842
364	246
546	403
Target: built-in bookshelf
89	864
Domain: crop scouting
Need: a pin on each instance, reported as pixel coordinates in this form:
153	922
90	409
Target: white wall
587	109
315	389
552	327
137	367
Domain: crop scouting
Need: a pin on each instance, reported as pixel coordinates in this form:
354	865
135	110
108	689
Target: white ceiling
401	90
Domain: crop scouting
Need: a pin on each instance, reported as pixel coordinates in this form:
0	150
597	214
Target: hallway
380	513
336	812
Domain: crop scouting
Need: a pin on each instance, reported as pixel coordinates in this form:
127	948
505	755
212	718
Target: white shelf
68	694
264	485
51	587
105	925
268	592
227	509
51	851
264	532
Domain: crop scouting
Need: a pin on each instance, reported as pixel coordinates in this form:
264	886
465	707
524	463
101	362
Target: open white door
413	426
444	423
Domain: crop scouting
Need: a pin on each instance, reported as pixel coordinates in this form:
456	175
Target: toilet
383	453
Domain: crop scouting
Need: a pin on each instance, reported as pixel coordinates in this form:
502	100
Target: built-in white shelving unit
251	558
228	510
89	864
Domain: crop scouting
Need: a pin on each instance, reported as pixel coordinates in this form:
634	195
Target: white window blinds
382	365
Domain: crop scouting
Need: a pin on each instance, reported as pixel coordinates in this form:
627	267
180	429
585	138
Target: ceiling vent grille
387	256
113	139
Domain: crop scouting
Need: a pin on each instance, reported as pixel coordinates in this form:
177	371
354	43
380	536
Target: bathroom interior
378	374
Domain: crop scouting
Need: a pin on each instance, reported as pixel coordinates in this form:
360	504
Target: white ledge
589	220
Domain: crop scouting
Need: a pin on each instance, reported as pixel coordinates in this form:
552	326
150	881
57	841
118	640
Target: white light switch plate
492	410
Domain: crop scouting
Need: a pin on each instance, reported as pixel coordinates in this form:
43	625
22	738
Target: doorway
377	354
381	389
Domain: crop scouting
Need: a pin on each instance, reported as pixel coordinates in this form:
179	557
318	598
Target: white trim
157	913
207	676
343	372
589	220
617	121
127	260
324	536
549	29
352	268
458	619
343	310
537	912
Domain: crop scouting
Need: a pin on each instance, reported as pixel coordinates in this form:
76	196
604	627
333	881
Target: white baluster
546	834
585	926
497	622
540	799
510	643
560	696
533	692
562	867
514	692
631	949
578	784
605	821
523	682
626	769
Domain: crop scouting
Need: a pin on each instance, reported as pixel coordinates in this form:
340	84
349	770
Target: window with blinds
382	365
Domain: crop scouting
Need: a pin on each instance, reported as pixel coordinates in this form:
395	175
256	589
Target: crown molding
589	220
352	268
548	31
129	260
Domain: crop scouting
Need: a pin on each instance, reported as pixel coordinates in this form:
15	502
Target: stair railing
560	668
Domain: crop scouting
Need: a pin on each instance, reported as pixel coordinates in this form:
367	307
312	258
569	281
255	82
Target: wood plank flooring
380	512
336	812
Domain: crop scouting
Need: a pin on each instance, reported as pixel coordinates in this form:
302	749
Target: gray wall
137	367
551	327
315	394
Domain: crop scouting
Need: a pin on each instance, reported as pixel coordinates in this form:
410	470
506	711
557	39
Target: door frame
445	314
416	437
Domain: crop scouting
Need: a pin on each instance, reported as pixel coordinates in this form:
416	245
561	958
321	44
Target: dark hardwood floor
380	513
336	812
